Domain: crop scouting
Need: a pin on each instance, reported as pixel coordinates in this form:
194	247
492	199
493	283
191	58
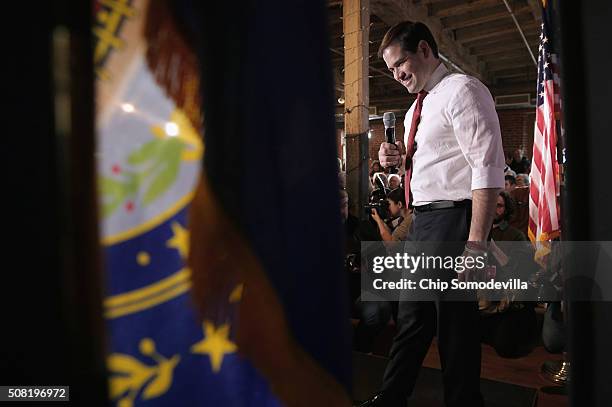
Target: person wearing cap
454	167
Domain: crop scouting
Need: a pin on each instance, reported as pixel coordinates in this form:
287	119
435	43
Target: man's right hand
391	155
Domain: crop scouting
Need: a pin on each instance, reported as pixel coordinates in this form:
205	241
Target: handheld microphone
389	122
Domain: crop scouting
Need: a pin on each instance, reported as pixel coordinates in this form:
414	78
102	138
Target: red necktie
411	148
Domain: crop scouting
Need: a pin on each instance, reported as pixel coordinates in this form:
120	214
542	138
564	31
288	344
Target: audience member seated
507	169
509	325
519	192
375	167
510	183
519	164
522	180
502	230
395	181
379	180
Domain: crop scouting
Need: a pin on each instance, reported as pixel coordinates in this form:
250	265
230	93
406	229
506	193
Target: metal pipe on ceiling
518	26
451	63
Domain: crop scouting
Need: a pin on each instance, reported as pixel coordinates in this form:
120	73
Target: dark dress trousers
456	323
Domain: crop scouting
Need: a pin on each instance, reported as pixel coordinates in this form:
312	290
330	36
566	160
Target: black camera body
378	201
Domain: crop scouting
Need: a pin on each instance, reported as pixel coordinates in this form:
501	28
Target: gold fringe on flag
172	60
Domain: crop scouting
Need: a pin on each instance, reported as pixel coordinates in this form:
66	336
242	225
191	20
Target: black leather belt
434	206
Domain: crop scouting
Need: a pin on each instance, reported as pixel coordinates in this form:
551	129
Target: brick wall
516	128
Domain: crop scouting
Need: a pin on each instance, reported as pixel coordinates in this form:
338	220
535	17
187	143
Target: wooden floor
521	371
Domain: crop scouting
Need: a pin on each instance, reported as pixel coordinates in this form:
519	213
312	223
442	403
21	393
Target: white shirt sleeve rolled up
477	131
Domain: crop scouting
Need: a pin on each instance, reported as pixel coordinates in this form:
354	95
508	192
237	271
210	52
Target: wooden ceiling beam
532	34
379	32
482	34
337	37
337	61
522	87
494	29
503	45
511	55
454	7
514	81
395	11
482	16
523	59
428	1
527	71
509	63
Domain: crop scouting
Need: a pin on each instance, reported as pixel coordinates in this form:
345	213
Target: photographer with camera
383	206
397	209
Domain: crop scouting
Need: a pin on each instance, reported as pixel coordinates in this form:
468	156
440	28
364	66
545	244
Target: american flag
544	213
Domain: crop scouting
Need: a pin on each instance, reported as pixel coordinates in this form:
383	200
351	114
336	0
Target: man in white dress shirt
454	168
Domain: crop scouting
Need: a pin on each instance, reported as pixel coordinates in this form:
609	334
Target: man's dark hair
397	195
511	179
408	35
508	203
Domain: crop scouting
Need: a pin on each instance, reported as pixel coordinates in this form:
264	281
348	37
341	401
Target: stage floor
523	371
368	372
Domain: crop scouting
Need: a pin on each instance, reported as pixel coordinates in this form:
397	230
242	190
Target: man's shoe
381	399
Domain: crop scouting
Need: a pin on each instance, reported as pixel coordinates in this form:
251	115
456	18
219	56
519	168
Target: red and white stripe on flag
544	211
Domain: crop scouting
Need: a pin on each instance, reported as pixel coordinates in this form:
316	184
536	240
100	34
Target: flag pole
558	371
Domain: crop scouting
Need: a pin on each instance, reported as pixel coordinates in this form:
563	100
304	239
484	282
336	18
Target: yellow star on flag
215	344
179	240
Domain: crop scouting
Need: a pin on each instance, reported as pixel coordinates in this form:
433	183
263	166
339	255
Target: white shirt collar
435	78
